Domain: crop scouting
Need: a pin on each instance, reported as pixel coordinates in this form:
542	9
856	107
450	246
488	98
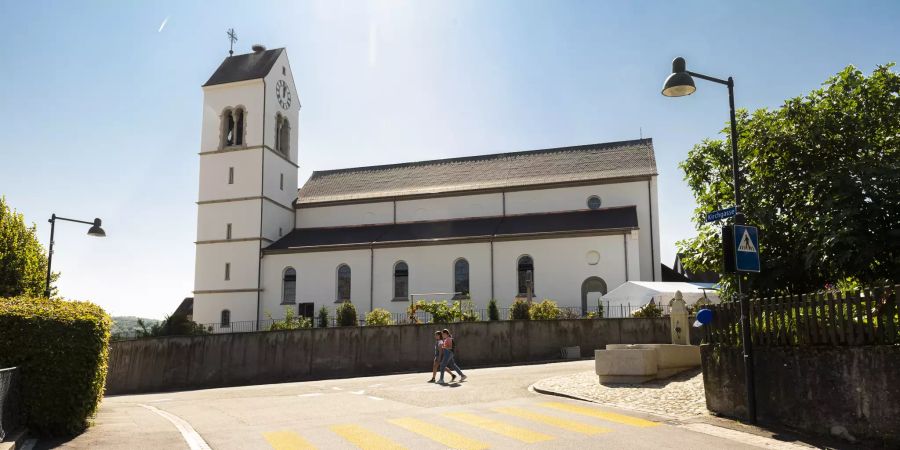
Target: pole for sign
746	344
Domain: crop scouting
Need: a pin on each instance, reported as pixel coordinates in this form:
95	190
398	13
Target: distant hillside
124	324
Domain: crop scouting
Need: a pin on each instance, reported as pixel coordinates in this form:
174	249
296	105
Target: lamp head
96	230
679	83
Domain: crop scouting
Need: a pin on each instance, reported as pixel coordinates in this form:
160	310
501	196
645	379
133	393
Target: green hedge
61	348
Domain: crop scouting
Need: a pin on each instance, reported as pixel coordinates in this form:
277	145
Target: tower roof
249	66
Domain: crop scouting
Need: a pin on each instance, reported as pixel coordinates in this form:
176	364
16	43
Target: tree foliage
820	180
544	310
379	317
23	260
346	315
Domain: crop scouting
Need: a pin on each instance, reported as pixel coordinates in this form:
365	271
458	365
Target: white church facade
575	221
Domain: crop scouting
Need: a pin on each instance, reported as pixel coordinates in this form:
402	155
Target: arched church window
401	280
525	274
225	319
343	283
289	286
282	134
461	277
233	124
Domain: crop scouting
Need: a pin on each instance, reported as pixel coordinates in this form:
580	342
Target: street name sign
721	214
746	248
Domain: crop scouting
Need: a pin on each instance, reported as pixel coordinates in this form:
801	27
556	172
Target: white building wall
345	215
248	94
443	208
277	222
616	194
316	279
247	166
274	169
243	217
210	268
281	71
208	307
560	266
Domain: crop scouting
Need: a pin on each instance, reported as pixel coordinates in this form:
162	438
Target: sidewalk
680	397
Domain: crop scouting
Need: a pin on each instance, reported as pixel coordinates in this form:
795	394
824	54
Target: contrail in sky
163	24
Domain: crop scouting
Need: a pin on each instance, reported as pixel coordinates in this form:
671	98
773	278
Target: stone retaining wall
193	362
814	389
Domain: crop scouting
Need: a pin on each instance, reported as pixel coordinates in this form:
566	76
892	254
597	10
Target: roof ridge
600	145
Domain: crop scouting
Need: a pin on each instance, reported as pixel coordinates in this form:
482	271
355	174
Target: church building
566	224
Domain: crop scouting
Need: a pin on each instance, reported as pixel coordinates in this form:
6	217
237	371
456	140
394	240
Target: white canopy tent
639	293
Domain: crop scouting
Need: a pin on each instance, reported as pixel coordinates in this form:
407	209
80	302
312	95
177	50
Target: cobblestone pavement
680	397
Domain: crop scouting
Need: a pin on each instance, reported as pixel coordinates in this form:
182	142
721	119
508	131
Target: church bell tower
248	182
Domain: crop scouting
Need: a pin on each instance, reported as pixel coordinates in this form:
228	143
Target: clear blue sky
100	108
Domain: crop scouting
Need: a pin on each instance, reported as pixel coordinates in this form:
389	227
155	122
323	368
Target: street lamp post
681	83
95	230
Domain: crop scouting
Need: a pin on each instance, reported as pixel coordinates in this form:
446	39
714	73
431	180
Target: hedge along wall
194	362
61	348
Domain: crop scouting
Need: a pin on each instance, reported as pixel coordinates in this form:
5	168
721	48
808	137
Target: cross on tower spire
232	37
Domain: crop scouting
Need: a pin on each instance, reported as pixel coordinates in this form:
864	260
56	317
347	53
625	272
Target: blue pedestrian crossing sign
746	248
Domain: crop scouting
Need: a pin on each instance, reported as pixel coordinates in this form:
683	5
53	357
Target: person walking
447	358
438	354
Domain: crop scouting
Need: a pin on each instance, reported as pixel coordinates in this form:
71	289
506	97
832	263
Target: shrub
323	317
411	311
378	317
346	315
290	322
569	313
441	312
545	310
175	325
647	311
493	311
600	310
519	310
61	348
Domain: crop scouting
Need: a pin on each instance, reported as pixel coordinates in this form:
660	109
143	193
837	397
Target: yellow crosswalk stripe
287	440
512	431
364	438
578	427
608	416
438	434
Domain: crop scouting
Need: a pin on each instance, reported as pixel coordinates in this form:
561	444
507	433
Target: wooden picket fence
865	317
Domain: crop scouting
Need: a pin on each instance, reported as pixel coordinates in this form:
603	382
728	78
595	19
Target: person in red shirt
438	353
447	360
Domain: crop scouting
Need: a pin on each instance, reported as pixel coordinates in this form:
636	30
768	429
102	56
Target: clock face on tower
283	94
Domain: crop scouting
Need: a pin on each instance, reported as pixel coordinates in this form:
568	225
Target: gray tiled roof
488	172
249	66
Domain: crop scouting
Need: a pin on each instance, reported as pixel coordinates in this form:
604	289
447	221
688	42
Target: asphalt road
492	409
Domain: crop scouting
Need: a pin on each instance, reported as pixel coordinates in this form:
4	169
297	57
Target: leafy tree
323	317
23	260
493	311
174	325
346	315
648	311
379	316
820	180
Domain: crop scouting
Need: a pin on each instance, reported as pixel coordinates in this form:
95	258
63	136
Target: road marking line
358	392
376	385
608	416
336	388
193	439
511	431
374	398
287	440
578	427
364	438
160	400
438	434
312	394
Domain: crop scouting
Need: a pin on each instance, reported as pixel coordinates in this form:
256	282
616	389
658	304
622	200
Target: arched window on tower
289	287
525	273
461	278
343	283
401	280
233	125
285	139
